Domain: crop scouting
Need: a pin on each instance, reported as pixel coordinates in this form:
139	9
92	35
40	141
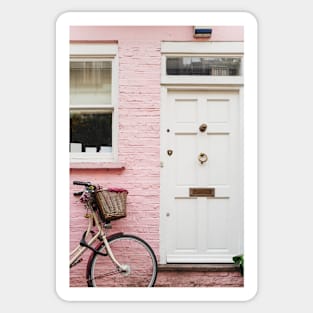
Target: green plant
238	259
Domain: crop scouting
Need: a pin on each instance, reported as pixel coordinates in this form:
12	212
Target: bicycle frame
100	235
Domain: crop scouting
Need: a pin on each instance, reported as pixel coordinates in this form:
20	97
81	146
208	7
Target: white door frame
192	83
163	198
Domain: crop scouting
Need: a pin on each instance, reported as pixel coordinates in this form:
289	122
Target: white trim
105	52
107	107
163	189
94	49
207	47
200	80
114	90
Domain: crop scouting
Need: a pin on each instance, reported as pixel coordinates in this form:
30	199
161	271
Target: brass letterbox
202	192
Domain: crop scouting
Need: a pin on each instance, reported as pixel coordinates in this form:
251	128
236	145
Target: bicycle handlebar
78	193
82	183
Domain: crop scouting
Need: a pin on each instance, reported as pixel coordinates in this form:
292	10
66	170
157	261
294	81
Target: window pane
90	131
90	82
212	66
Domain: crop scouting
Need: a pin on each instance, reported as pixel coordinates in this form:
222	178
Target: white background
27	128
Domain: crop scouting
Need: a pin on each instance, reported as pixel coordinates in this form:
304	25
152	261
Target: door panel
183	209
185	168
202	229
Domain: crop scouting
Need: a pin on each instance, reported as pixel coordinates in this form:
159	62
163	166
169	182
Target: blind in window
90	82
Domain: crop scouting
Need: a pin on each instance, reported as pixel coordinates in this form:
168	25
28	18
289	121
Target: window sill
97	165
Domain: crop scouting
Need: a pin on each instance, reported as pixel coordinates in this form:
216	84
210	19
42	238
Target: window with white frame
202	63
93	102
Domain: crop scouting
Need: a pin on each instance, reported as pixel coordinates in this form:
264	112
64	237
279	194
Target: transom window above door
198	65
202	63
93	103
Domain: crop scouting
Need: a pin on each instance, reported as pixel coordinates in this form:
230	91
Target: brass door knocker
203	127
202	157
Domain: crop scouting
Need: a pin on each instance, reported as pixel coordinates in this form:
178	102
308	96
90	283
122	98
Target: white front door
201	176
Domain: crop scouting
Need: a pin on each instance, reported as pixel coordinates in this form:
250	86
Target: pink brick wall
139	136
139	141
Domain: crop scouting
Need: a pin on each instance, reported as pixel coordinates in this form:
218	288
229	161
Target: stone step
199	267
199	275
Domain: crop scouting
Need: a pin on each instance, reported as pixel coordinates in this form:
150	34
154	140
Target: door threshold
199	267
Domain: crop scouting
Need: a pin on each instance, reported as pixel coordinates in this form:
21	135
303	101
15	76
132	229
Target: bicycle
118	260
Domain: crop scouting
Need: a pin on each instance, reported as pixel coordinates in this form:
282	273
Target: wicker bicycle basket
112	204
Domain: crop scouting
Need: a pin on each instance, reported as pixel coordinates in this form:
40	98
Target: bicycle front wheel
136	257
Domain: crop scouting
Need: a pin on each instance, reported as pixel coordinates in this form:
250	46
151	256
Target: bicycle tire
129	250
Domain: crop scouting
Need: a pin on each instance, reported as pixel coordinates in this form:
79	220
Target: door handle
203	127
202	157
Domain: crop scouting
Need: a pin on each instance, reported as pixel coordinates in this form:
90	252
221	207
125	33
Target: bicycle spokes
138	267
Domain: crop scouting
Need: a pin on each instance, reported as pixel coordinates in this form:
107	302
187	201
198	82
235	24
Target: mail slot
202	192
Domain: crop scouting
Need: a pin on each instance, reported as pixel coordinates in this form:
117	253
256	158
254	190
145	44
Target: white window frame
99	52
